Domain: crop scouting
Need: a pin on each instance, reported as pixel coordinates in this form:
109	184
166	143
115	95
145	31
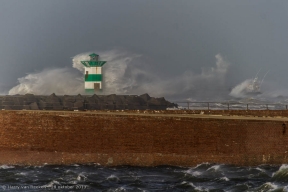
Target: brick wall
36	137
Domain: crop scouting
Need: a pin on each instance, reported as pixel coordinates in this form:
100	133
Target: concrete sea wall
142	138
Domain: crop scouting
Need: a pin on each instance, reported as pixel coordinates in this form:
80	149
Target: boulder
54	102
34	106
145	97
93	103
79	105
29	98
68	102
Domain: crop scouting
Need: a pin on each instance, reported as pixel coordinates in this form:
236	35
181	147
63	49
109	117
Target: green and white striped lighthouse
93	73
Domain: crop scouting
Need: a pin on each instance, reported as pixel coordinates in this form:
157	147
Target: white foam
81	177
117	189
214	167
22	173
270	185
282	170
192	185
200	188
69	171
188	183
113	177
259	169
193	173
6	167
195	187
51	184
224	179
284	166
198	165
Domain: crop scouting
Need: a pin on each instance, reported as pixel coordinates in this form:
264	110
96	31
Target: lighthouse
93	73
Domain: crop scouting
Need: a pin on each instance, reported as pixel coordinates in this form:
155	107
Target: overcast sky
172	36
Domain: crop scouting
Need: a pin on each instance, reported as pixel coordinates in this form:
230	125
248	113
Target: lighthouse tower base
93	86
92	91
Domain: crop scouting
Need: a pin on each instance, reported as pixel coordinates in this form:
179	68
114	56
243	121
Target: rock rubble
83	102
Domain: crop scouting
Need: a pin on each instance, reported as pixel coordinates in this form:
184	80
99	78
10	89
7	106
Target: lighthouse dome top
93	54
94	57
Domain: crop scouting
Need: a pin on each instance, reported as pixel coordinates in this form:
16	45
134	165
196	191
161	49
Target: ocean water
93	177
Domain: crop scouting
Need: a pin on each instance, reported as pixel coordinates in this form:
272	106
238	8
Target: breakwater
83	102
143	138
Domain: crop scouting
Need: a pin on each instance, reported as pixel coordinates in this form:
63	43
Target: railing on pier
188	105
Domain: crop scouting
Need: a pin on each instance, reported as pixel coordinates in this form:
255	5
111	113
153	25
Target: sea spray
239	90
125	73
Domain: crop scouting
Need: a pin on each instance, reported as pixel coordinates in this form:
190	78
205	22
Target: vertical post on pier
188	104
267	106
228	106
286	107
247	107
208	105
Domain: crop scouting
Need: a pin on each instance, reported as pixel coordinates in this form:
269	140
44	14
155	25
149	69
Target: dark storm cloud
172	36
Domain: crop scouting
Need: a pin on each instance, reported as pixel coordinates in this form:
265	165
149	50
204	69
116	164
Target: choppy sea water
93	177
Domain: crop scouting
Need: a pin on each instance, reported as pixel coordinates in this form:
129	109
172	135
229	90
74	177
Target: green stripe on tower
93	63
93	77
91	90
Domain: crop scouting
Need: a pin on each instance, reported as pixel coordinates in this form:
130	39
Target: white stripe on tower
93	70
90	84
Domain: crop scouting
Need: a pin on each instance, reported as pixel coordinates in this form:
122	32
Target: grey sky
173	36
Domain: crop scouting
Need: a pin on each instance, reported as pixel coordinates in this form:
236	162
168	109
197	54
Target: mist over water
126	73
57	80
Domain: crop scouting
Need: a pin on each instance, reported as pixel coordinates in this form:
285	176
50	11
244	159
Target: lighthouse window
86	75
